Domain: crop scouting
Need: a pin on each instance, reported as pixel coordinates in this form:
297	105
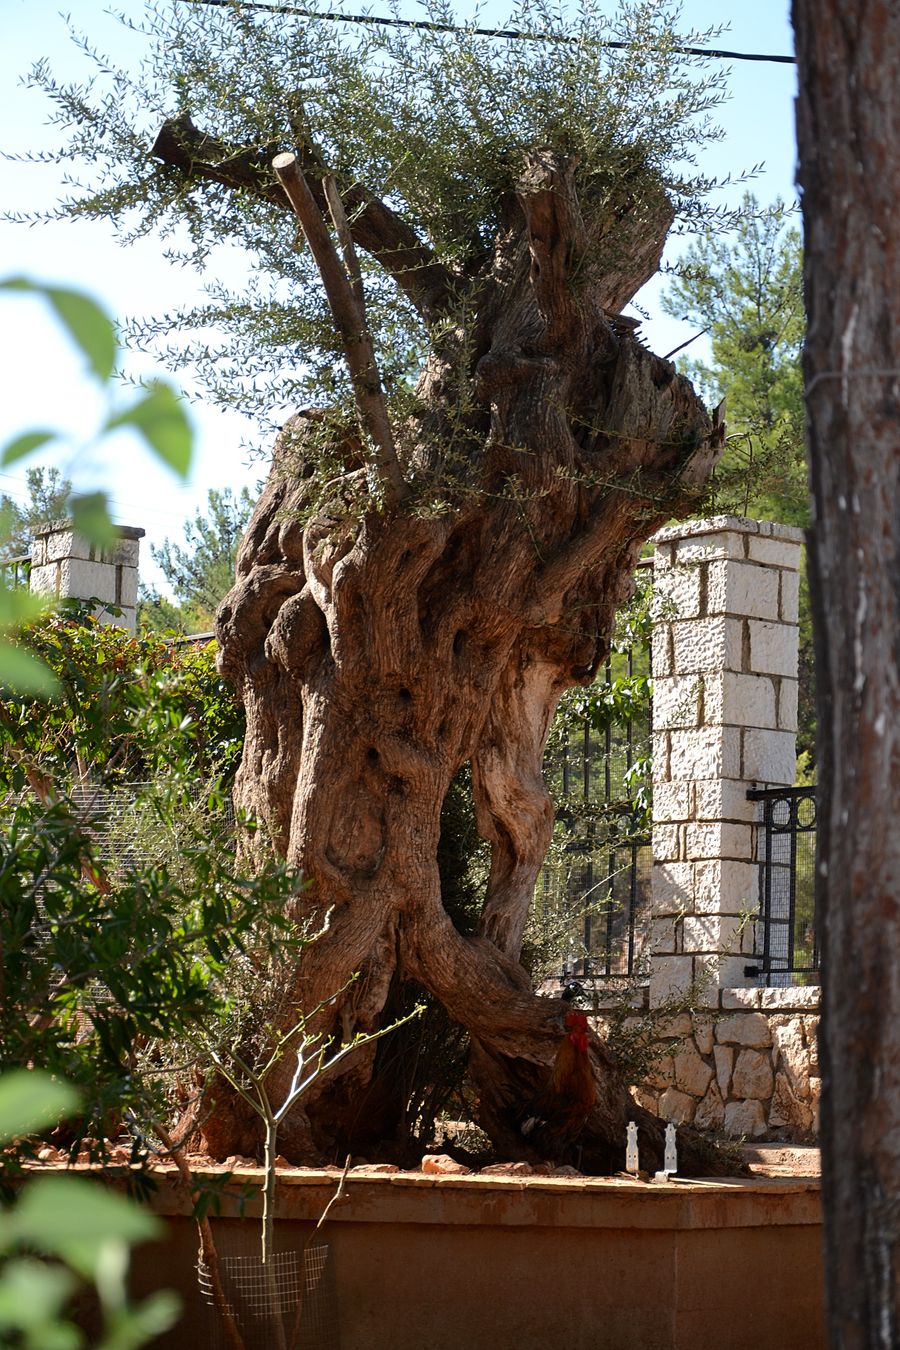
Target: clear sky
42	383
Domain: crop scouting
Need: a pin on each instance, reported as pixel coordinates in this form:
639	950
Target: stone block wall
65	565
747	1067
725	643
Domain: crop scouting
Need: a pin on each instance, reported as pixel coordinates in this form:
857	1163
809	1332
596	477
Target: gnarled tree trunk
377	654
848	114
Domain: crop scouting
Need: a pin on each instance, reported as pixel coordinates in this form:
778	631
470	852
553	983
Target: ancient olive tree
479	447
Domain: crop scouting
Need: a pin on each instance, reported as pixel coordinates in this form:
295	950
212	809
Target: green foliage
87	968
124	906
49	495
86	323
81	1232
435	123
746	290
128	710
640	1036
157	416
202	572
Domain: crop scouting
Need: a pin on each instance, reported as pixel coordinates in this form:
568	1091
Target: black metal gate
595	886
787	951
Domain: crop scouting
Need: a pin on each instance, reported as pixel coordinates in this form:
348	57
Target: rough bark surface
376	655
849	133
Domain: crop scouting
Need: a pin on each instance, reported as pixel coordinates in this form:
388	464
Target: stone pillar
65	565
725	642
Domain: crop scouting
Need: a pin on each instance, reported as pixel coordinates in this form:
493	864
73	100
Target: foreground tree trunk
429	612
848	120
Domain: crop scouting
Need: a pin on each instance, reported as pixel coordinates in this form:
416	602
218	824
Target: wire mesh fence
289	1302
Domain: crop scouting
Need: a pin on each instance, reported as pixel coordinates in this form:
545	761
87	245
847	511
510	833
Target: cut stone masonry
747	1066
725	641
725	644
65	565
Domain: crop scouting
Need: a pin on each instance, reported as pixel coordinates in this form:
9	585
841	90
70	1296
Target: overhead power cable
509	34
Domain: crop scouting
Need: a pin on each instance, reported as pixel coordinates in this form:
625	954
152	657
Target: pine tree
201	571
745	290
48	497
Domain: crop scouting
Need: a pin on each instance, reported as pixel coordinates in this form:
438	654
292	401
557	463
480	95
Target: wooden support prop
344	293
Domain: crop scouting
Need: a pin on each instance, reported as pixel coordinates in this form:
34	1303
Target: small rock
815	1093
662	1073
648	1100
238	1160
752	1076
281	1161
566	1171
692	1074
441	1164
710	1114
676	1107
704	1033
724	1057
794	1056
744	1029
375	1169
48	1154
511	1169
745	1118
676	1027
787	1110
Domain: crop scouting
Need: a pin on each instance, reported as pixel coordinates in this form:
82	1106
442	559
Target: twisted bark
377	654
848	112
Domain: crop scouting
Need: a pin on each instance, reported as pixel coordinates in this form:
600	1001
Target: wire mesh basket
291	1301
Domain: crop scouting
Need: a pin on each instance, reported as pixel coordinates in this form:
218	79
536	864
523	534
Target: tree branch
375	228
612	246
349	315
556	236
345	236
667	447
513	809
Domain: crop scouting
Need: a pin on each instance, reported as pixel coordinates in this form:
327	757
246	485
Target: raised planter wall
484	1263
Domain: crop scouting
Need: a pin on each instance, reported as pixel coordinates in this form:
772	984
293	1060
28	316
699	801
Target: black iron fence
593	897
787	953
